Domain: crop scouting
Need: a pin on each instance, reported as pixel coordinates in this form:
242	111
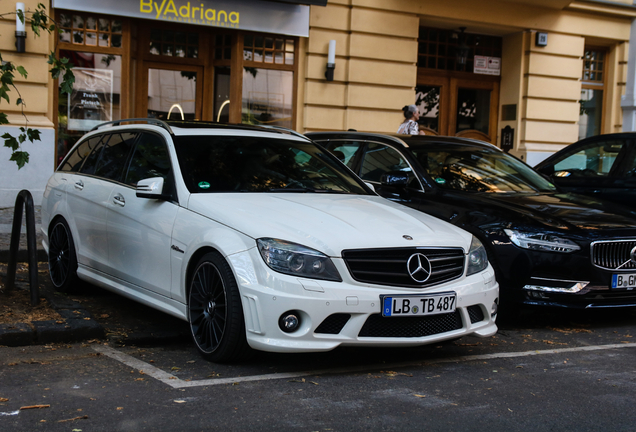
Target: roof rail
150	121
284	130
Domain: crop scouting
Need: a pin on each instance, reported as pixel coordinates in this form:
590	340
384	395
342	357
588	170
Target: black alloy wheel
62	257
215	313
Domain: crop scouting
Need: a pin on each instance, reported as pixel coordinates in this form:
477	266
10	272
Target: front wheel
62	257
215	313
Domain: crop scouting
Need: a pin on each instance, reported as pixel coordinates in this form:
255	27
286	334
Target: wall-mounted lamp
331	60
462	49
541	39
20	28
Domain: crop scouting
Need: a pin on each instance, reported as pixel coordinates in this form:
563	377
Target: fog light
289	321
494	308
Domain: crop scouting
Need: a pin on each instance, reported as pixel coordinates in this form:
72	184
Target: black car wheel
215	312
62	257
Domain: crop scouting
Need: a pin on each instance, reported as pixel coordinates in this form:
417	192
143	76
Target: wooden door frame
449	83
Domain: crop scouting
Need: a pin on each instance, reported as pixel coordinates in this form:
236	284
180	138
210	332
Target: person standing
410	125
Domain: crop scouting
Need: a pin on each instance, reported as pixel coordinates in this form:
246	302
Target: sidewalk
91	314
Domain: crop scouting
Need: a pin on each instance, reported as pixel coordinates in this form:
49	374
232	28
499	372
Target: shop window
439	49
592	93
268	49
90	30
267	97
174	43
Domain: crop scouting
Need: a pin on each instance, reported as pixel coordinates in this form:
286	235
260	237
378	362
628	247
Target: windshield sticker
440	180
204	185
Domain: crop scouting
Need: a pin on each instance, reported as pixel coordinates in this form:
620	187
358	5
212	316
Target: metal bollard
23	199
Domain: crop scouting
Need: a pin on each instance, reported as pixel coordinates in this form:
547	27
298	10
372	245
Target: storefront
227	61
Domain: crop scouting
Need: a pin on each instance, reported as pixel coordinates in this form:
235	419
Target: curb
76	325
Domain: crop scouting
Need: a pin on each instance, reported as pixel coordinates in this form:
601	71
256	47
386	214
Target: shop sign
91	101
487	65
254	15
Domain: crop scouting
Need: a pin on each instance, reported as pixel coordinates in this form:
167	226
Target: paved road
546	371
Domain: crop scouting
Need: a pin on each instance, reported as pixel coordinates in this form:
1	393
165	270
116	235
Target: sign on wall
487	65
91	101
255	15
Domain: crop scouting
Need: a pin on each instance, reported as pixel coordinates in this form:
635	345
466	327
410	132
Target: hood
561	211
328	223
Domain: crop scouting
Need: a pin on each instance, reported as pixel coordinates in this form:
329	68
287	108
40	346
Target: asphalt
91	314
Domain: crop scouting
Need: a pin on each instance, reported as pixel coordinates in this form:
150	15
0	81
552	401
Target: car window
343	150
473	169
379	159
150	159
595	159
112	158
76	158
253	164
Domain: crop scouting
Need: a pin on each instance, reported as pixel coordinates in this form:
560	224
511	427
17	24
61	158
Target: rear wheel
62	257
215	313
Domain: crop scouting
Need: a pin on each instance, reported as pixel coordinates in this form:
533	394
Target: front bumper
348	313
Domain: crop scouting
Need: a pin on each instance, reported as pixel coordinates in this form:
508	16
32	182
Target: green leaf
33	134
10	141
20	157
19	101
22	71
3	118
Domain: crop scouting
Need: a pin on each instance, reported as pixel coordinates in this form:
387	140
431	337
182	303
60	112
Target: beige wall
36	90
377	53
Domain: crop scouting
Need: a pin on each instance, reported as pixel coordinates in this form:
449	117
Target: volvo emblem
632	255
419	267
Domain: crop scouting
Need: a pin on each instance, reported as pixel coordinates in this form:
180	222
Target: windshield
473	169
253	164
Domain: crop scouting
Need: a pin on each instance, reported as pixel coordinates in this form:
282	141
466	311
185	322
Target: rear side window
75	160
595	159
114	154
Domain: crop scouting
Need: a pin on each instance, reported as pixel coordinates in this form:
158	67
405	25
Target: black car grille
389	266
410	327
333	324
613	255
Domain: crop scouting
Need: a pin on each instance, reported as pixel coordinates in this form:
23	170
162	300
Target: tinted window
150	159
76	158
114	154
473	169
251	164
380	159
343	150
594	159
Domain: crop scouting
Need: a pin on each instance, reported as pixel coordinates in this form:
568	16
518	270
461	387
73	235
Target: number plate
625	280
417	305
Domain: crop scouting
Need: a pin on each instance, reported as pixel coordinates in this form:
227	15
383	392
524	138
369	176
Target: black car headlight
541	241
297	260
477	257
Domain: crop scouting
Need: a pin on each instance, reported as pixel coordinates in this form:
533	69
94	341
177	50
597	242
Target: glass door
173	92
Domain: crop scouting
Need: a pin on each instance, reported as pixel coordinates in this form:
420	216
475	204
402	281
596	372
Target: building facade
530	76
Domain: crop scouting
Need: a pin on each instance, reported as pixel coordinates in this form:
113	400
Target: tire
215	312
62	257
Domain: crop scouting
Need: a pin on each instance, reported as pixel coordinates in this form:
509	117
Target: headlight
541	242
477	258
297	260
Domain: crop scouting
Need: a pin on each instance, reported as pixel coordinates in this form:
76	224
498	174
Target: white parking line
175	382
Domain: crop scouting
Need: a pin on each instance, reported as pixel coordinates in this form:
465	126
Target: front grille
475	313
410	327
613	255
389	266
333	324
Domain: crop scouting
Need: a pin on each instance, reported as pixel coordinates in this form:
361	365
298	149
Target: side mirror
395	179
151	188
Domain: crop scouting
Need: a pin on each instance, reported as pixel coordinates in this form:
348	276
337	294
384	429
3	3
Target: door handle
79	185
119	200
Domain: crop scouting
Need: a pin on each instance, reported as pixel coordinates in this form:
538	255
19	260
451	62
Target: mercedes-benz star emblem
419	267
632	255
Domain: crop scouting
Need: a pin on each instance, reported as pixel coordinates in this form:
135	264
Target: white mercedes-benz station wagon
259	239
